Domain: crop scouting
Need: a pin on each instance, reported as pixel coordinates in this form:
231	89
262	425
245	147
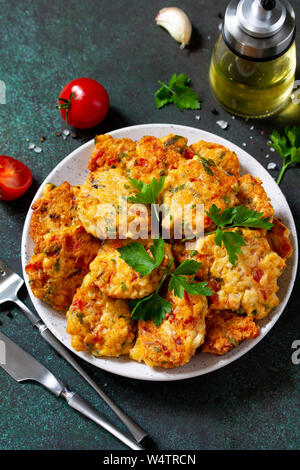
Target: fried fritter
226	330
279	240
197	182
110	153
252	194
251	285
104	210
222	156
59	267
150	158
56	209
117	279
174	342
99	324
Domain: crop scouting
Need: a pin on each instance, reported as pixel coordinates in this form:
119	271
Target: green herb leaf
288	146
189	267
179	284
154	307
178	92
148	193
207	164
136	256
239	216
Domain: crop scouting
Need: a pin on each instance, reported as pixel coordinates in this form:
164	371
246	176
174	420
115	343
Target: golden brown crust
252	194
174	342
117	279
222	156
196	184
279	239
99	324
226	330
56	209
60	265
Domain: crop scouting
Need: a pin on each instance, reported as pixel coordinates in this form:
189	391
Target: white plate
74	170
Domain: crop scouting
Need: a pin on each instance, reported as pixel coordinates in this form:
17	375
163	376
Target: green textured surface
250	404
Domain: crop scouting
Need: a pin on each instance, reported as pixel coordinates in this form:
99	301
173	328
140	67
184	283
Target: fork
10	283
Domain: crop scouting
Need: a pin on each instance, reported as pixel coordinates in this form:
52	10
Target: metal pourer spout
268	4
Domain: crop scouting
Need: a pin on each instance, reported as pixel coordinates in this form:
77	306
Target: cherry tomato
15	178
83	103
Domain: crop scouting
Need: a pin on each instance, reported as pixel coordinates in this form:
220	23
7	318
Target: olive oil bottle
253	65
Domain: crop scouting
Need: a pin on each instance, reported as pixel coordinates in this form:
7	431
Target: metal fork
10	283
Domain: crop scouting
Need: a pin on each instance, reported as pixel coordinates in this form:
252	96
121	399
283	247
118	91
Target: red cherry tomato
15	178
83	103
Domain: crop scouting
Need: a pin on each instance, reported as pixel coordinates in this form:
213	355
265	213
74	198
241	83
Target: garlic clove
177	23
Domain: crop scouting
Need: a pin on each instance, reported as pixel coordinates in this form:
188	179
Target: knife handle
137	432
82	406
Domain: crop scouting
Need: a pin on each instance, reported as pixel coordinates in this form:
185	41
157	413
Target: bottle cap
259	29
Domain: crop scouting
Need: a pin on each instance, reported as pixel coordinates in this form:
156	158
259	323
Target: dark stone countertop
250	404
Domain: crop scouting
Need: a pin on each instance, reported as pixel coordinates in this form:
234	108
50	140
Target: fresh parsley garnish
178	92
136	256
288	146
148	193
154	306
239	216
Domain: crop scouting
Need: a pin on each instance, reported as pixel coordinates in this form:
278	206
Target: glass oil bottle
253	65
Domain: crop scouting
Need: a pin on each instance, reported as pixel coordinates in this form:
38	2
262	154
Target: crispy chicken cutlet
99	324
222	156
252	194
150	158
117	279
174	342
59	267
196	182
55	210
251	285
226	330
104	209
279	239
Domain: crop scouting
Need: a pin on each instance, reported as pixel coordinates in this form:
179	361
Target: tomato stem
66	104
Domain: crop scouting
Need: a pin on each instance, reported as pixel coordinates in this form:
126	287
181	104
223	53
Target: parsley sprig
239	216
154	306
288	146
148	193
178	92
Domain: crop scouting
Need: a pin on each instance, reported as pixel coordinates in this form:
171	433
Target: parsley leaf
288	146
154	306
148	193
179	284
178	92
136	256
239	216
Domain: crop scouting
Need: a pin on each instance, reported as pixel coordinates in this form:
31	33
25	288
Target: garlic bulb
176	22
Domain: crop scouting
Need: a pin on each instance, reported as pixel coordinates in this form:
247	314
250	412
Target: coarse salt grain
37	150
66	132
222	124
268	155
244	144
31	146
272	149
271	166
198	117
